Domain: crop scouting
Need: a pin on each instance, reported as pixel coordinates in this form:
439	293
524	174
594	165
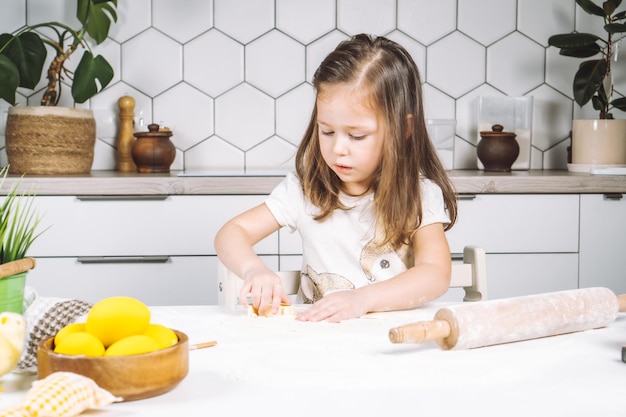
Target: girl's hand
335	307
265	292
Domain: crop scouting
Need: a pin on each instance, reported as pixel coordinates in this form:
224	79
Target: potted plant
48	139
19	222
601	141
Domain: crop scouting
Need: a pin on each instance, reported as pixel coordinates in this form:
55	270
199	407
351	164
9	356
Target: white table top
280	366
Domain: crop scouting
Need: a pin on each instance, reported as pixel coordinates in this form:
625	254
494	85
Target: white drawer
132	226
526	274
186	280
502	224
529	223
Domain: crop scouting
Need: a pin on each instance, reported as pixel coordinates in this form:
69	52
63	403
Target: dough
284	310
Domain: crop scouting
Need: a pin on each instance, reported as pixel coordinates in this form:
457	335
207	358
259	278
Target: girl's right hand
264	290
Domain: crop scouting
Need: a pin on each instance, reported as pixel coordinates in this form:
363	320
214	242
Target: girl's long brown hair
392	78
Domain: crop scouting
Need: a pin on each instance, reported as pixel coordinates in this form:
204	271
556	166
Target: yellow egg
164	336
115	318
67	330
80	343
132	345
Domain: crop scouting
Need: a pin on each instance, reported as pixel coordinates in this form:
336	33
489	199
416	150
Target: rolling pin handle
421	331
16	267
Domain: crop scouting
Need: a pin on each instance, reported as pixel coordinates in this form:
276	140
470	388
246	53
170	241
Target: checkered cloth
45	316
61	394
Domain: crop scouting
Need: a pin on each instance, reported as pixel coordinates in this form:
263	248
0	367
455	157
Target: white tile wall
231	78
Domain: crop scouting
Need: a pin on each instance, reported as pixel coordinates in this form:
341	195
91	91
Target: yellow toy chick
12	332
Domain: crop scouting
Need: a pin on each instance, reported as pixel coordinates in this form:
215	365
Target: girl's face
350	136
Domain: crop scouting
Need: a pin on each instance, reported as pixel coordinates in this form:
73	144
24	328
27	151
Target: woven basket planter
50	140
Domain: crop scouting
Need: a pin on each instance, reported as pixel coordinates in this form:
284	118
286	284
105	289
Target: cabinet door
603	241
178	280
135	226
513	275
528	223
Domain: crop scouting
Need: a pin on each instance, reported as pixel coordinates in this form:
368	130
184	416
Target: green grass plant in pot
601	141
19	221
49	139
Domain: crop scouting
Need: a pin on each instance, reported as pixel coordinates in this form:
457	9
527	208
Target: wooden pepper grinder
126	138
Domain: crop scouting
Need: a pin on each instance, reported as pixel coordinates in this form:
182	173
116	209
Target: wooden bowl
131	377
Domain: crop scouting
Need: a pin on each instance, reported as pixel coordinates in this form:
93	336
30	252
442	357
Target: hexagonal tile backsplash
231	78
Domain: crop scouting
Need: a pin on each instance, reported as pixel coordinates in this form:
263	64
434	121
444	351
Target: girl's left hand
335	307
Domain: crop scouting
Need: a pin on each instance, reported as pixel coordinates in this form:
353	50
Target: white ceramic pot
599	142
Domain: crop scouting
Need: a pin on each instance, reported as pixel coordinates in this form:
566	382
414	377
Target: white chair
471	275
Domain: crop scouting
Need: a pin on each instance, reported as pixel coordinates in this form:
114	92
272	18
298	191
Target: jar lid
497	130
153	131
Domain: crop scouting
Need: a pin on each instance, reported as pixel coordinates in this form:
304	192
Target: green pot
12	293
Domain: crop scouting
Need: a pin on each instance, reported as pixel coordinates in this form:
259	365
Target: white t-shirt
338	253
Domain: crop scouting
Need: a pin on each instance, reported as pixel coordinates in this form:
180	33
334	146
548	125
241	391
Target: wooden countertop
109	183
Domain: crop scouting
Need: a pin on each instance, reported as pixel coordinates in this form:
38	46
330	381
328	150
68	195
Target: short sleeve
433	207
286	201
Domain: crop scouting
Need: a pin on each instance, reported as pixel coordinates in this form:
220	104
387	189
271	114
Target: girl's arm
234	245
424	282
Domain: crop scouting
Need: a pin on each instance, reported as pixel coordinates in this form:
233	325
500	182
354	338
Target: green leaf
615	27
588	80
10	81
609	7
619	103
590	7
19	221
573	40
598	103
96	16
582	52
82	7
89	70
619	16
28	54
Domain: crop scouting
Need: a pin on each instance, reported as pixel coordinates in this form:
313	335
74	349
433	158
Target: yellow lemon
80	343
67	330
164	336
132	345
115	318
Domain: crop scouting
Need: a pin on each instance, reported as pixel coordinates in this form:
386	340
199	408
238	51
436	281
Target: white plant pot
599	142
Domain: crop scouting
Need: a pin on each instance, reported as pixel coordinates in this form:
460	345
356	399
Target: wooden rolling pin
486	323
16	267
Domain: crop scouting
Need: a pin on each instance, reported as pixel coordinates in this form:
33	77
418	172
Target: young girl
369	198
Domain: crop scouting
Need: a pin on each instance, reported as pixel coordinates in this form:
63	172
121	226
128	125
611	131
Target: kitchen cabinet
531	240
151	236
602	241
169	280
156	248
137	225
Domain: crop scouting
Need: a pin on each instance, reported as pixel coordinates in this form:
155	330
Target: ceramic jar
153	151
497	149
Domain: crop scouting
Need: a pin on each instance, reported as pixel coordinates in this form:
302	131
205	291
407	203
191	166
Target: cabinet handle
613	196
155	197
466	197
122	259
